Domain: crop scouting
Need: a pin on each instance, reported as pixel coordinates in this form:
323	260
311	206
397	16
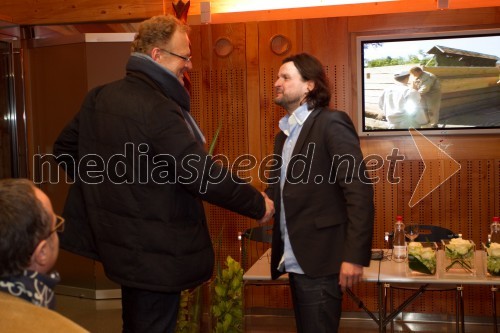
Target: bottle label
399	252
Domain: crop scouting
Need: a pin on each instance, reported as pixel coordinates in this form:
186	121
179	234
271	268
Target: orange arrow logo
438	167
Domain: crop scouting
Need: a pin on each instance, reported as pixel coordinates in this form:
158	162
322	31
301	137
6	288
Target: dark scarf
32	286
143	66
165	81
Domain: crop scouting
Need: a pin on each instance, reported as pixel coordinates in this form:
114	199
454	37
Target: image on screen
441	83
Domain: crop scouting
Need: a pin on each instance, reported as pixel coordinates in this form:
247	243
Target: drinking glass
412	231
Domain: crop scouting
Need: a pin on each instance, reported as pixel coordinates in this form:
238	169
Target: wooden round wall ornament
223	47
280	44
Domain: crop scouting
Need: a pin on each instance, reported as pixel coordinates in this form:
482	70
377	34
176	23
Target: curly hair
310	68
156	31
24	222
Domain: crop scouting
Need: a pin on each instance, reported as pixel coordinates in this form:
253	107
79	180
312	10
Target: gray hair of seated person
24	222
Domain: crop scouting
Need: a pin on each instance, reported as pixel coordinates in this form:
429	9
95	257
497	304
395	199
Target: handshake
269	209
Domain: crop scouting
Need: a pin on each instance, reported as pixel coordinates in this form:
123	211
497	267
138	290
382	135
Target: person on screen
429	88
401	105
498	67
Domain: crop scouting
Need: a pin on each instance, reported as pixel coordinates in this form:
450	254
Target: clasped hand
269	209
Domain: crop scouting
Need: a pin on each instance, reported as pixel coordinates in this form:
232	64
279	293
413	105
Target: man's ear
155	54
40	256
310	85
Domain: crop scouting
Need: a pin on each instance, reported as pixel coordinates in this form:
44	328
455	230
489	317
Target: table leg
382	299
494	307
459	313
391	306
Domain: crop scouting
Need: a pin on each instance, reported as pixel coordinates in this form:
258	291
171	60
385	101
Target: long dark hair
311	68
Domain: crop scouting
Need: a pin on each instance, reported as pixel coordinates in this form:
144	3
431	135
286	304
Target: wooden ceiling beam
45	12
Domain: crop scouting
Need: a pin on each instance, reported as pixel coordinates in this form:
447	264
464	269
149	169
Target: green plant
227	300
188	319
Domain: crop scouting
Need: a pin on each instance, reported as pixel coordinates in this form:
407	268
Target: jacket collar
32	286
162	78
306	128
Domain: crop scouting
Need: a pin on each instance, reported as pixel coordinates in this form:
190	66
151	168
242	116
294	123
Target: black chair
434	233
258	240
261	234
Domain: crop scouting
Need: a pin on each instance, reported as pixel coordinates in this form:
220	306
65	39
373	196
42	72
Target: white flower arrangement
459	252
459	248
422	258
493	259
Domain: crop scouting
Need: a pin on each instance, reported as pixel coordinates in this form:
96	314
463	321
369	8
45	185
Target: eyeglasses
59	227
186	59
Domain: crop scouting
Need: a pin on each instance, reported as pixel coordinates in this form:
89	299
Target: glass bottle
495	230
399	241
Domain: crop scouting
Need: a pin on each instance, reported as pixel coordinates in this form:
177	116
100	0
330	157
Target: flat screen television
459	92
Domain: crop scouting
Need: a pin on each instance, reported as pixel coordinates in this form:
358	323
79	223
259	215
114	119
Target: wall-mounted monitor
456	91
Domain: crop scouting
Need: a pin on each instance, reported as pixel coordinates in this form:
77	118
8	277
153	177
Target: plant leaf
214	139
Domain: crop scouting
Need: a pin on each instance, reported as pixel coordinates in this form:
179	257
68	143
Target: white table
260	272
386	273
392	273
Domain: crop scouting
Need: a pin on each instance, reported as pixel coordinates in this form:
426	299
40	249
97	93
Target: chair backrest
434	233
261	234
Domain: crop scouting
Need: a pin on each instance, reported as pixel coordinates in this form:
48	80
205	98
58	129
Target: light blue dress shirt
291	125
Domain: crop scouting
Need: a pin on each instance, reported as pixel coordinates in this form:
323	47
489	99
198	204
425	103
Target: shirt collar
299	116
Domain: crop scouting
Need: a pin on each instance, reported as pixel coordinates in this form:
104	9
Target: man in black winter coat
141	171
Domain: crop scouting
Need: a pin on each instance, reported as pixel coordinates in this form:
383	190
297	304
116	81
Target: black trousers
317	303
145	311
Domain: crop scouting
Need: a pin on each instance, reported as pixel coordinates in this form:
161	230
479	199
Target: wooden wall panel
322	38
464	203
269	64
223	86
239	90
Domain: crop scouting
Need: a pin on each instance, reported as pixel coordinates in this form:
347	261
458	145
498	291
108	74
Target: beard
286	101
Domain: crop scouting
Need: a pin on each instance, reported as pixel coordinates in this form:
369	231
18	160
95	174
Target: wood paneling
465	203
239	90
35	12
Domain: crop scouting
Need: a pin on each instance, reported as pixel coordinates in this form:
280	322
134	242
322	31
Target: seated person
29	246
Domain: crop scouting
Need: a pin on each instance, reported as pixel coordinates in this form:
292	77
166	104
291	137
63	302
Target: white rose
459	241
428	253
414	246
462	249
494	250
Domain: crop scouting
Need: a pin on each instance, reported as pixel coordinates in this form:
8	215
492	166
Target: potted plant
189	316
227	299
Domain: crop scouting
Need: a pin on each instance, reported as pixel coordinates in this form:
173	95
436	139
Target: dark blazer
327	196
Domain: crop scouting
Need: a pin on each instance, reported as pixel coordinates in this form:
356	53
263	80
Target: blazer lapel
304	133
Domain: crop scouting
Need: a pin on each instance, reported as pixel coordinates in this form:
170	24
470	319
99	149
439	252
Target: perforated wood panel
239	89
223	102
227	108
465	204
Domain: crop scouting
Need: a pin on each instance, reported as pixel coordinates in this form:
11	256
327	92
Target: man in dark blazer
324	201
